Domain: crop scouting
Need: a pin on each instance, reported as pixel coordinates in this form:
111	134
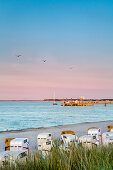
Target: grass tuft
75	158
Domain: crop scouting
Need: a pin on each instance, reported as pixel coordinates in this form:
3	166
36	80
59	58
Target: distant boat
54	103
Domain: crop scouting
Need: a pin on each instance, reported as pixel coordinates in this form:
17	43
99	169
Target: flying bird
44	61
19	55
70	68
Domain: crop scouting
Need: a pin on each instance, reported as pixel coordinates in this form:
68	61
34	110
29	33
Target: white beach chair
11	156
44	141
19	144
67	137
107	138
88	141
96	132
93	137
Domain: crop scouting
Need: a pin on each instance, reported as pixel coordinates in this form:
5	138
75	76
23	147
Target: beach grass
77	158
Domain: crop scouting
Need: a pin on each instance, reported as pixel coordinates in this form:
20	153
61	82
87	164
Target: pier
79	103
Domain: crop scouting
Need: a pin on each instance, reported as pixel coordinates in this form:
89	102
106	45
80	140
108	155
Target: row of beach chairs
19	147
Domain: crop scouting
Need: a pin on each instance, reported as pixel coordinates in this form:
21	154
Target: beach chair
88	141
44	142
19	144
94	131
107	138
67	137
108	141
110	127
7	143
7	157
93	137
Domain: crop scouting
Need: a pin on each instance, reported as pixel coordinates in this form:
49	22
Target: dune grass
77	158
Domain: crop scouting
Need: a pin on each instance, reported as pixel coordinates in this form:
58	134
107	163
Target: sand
31	134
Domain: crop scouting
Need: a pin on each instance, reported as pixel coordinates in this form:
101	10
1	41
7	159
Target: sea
24	115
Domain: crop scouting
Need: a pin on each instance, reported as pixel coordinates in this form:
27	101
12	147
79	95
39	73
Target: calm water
23	115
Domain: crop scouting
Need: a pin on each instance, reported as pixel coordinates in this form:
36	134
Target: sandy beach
31	134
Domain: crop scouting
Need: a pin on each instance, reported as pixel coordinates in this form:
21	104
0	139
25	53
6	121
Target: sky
74	36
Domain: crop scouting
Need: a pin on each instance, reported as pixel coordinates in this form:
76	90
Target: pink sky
39	82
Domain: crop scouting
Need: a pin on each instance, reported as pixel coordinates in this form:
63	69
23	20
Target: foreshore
31	134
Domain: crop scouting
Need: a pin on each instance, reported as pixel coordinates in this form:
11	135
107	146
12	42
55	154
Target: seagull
44	61
70	68
19	55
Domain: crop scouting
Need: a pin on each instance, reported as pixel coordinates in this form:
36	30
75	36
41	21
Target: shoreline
49	127
32	133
